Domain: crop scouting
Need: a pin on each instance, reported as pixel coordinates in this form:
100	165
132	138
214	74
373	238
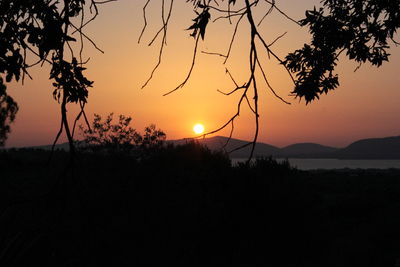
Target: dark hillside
307	150
186	206
218	143
375	148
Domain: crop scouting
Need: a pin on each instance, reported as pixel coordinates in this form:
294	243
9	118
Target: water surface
314	164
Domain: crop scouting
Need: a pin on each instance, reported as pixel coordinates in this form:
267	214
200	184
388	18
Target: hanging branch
190	70
164	37
71	85
254	63
145	21
249	90
46	31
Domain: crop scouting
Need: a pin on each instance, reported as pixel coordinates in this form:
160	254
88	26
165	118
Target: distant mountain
302	150
218	143
307	150
374	148
261	149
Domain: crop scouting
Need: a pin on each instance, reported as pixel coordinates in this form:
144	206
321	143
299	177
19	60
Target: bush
120	137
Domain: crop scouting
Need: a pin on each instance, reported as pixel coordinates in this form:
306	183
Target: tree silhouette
44	29
105	136
119	137
362	29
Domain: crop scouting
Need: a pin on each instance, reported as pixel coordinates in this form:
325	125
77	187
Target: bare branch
104	2
241	147
230	75
213	54
268	12
229	17
233	91
283	13
275	56
82	112
88	38
249	104
145	21
277	39
269	85
233	37
191	68
254	63
230	134
163	42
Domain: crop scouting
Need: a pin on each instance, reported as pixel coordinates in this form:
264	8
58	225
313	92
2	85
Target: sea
331	164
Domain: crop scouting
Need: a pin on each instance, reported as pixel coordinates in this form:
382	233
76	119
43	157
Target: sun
198	128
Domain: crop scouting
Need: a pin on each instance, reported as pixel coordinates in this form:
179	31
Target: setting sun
198	128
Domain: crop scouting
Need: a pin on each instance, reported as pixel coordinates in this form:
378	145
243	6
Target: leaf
200	23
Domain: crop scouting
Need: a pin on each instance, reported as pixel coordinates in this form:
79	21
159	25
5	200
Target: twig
213	54
163	42
190	70
145	21
269	85
233	38
283	13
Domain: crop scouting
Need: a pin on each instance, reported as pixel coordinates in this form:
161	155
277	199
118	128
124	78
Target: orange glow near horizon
366	104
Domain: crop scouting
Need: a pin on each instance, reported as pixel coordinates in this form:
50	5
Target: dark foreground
189	207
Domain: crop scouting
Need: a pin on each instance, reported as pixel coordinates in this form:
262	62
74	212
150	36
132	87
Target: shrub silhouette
106	137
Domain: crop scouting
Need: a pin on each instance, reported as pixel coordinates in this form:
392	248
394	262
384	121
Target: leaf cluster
200	22
203	17
41	28
70	80
8	109
29	24
362	29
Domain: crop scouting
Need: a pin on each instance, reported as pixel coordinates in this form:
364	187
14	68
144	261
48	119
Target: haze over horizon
365	105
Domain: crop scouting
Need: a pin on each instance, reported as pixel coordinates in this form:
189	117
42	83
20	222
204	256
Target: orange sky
366	104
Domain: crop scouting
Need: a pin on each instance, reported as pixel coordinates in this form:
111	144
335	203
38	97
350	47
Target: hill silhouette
307	150
372	148
218	142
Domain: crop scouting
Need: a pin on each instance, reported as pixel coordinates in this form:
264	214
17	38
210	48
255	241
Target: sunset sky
366	104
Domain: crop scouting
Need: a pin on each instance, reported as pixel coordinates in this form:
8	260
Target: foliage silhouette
362	29
152	138
42	31
119	137
8	110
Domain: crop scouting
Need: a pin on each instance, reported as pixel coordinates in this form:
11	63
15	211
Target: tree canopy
41	32
361	29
